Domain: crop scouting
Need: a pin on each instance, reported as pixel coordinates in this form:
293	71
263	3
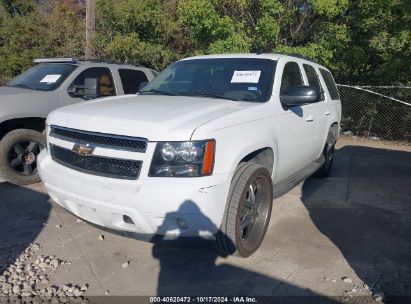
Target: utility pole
90	28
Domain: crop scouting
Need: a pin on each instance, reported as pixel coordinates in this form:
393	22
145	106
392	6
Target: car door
320	109
296	128
131	80
106	85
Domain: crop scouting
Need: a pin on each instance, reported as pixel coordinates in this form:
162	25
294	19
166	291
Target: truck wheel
247	211
325	169
18	156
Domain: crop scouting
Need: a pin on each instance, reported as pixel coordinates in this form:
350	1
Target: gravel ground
346	238
27	277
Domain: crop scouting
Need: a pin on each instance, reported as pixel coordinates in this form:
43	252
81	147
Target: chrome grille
110	141
96	165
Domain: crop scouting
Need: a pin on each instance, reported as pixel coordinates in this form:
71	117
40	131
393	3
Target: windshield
240	79
44	77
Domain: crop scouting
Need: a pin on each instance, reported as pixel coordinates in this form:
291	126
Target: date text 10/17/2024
203	300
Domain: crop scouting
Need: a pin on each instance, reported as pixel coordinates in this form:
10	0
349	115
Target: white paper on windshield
246	77
52	78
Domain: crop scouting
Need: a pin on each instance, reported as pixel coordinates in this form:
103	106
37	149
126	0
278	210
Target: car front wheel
18	156
248	211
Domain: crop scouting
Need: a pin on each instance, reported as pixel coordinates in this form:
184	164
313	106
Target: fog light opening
127	219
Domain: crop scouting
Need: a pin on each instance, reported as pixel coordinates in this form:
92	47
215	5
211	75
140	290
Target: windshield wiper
214	95
154	91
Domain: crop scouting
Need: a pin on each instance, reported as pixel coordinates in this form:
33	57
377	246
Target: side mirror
142	85
89	90
300	95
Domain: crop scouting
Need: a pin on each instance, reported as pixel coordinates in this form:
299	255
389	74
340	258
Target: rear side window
313	79
329	82
131	80
291	77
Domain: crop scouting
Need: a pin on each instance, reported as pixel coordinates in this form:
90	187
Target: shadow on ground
23	212
368	219
188	268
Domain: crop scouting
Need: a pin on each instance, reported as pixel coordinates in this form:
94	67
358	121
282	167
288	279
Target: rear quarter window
131	80
329	82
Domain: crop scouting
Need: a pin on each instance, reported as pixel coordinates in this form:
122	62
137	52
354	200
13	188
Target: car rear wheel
18	156
325	169
248	211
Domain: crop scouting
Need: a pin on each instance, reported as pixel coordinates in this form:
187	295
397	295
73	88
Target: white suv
200	151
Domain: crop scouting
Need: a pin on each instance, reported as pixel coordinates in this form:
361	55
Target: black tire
18	156
234	238
325	170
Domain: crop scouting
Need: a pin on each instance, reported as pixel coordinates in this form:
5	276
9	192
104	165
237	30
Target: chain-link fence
382	112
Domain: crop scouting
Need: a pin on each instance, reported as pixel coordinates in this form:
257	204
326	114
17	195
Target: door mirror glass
300	95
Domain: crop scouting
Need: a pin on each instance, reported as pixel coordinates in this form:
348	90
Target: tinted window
313	79
240	79
329	82
104	77
291	77
43	77
131	80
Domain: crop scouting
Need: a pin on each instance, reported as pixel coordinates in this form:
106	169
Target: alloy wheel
254	212
22	157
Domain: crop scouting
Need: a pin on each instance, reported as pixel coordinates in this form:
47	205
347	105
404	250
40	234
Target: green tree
30	30
363	42
135	31
20	40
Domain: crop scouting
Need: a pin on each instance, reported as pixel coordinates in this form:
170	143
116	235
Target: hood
155	117
20	102
15	90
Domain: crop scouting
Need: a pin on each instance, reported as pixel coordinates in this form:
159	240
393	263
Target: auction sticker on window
52	78
246	77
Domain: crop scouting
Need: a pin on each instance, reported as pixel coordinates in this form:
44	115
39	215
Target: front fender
234	143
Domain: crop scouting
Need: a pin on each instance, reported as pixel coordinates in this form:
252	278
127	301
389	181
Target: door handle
327	112
309	118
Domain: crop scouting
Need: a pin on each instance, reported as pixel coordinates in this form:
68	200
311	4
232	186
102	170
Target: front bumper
187	207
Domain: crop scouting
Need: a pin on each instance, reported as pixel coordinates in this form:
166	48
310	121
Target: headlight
183	159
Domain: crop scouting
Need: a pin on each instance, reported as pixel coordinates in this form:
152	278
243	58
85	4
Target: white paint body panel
157	118
153	203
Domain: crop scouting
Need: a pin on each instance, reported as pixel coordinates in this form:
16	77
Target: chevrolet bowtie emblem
83	150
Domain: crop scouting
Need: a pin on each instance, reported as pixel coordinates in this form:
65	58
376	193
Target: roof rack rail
55	60
113	62
297	55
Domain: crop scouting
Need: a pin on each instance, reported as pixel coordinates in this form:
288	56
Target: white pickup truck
200	151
